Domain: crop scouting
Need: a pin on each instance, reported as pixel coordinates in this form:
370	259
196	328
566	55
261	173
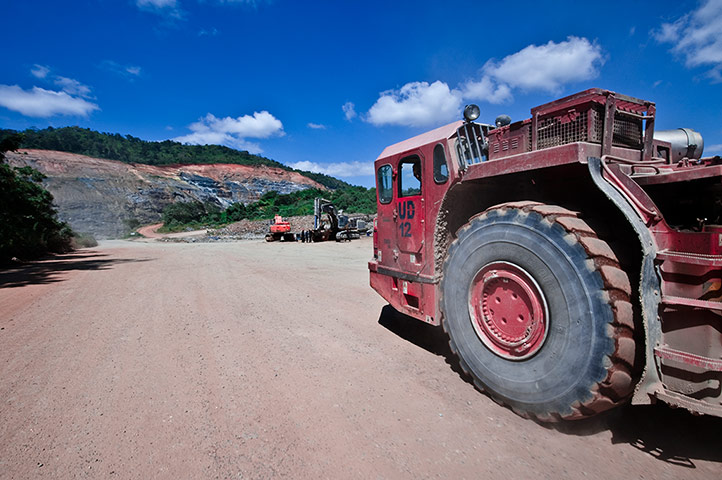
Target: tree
28	222
183	213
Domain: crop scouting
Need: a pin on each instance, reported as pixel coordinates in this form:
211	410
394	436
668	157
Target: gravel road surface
255	360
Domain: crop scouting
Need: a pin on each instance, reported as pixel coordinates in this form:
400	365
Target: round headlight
502	121
471	112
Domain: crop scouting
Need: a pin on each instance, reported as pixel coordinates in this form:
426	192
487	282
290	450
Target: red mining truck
573	258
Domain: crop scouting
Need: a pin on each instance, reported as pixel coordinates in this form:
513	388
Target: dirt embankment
260	360
108	198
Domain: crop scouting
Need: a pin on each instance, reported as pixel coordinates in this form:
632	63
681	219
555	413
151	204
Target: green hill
129	149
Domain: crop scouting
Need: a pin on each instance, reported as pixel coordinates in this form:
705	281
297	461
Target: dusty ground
273	360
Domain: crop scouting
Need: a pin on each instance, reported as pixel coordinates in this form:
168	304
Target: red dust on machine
280	229
574	258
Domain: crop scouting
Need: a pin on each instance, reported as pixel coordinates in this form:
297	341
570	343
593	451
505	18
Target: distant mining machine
330	224
280	229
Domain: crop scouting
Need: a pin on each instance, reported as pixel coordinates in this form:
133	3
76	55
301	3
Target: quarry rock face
106	197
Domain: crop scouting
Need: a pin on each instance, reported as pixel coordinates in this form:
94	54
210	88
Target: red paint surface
508	310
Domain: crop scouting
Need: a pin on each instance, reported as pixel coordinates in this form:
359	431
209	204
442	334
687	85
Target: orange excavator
280	229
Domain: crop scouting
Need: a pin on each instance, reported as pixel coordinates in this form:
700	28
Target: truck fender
649	281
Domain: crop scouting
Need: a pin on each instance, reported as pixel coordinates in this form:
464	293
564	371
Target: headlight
471	112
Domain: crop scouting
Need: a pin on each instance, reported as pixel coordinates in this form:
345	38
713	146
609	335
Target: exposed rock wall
104	197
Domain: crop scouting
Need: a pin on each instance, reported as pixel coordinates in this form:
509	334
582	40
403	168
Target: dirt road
263	360
151	232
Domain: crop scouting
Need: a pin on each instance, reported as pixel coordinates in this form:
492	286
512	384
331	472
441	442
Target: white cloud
219	138
130	72
338	169
316	126
252	3
233	132
547	67
715	75
416	104
211	32
68	85
260	125
72	86
697	37
713	149
668	32
39	102
156	3
40	71
487	90
167	8
349	110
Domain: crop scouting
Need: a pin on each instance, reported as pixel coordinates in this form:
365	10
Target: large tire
539	313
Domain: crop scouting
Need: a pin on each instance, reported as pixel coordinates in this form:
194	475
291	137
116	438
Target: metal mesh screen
554	131
627	131
597	130
588	126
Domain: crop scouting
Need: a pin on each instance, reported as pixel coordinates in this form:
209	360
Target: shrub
83	240
29	226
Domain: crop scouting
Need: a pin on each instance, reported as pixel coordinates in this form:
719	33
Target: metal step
690	258
688	358
691	302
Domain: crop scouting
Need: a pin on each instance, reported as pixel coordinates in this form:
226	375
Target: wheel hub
508	311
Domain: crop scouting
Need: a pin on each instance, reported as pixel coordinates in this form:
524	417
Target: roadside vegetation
28	222
196	215
29	226
129	149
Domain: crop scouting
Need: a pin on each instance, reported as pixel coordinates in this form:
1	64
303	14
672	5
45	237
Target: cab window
384	182
410	176
441	170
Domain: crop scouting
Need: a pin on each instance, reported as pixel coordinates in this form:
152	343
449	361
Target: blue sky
326	85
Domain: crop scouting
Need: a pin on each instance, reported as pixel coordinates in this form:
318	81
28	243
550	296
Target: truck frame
574	258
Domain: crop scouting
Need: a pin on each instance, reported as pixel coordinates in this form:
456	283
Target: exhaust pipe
685	142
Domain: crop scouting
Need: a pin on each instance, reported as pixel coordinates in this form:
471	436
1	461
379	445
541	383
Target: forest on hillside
129	149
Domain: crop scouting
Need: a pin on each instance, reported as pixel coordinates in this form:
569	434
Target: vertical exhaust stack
316	213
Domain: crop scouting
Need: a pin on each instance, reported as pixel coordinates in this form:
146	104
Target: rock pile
250	229
253	229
